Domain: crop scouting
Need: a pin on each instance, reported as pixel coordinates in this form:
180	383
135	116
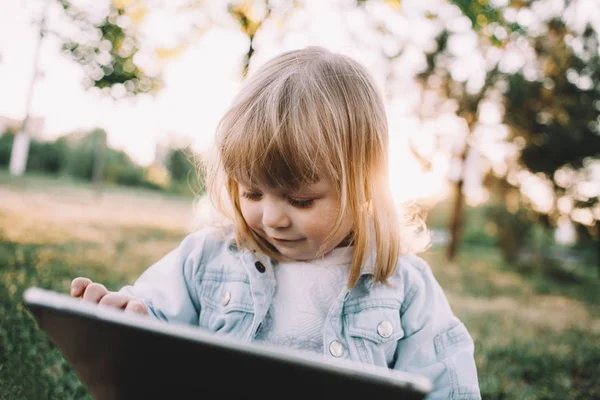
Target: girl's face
297	222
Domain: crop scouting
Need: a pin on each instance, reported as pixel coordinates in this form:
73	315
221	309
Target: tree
554	117
445	89
548	105
180	163
105	43
249	23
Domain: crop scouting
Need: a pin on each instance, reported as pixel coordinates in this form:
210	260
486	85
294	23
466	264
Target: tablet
119	355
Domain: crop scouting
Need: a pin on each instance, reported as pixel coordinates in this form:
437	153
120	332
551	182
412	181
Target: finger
78	286
94	292
136	306
114	299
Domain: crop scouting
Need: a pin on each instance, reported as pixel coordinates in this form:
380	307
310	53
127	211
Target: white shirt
304	293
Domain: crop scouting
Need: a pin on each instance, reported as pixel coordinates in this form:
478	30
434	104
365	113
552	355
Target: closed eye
252	196
301	203
294	202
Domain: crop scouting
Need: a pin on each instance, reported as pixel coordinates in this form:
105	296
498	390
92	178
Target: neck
347	241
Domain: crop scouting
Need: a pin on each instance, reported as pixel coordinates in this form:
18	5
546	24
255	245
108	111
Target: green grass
529	343
52	231
536	328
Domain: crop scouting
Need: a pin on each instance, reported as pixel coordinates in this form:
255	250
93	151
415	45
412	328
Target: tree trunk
456	220
20	149
248	56
19	153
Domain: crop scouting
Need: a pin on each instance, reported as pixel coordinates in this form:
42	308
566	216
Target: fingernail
73	291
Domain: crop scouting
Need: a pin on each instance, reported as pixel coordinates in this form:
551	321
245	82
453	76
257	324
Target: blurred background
493	109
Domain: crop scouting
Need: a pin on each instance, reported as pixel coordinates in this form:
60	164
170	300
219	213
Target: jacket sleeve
168	286
436	344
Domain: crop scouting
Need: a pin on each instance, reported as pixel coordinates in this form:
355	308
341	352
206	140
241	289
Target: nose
274	215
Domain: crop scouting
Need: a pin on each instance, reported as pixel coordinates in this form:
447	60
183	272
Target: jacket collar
366	274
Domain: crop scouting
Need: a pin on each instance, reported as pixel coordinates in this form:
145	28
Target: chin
294	256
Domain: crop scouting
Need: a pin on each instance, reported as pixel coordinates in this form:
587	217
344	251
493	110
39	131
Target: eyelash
251	196
293	202
300	203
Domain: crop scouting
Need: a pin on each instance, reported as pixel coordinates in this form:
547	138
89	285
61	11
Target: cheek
347	224
315	228
319	224
250	212
322	227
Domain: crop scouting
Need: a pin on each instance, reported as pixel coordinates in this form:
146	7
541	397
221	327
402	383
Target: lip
285	240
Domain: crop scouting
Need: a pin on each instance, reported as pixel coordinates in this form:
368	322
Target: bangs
271	166
277	139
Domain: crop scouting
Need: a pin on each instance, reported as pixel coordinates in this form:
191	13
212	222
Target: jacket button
226	298
385	329
260	267
336	349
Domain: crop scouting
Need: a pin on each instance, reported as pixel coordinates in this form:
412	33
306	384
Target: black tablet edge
39	298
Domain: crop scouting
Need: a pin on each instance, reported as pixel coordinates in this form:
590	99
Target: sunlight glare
408	181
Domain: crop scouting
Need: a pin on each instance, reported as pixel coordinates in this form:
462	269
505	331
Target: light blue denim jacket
407	325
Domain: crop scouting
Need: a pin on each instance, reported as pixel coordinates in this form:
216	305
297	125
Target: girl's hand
97	293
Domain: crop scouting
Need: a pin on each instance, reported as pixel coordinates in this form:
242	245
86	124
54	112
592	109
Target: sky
195	93
199	84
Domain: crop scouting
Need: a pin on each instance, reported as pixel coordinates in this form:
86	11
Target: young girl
312	257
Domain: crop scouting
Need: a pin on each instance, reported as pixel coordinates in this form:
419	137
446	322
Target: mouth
286	240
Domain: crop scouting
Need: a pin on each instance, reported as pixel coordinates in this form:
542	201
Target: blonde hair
307	115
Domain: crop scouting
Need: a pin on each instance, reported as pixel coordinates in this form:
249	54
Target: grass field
537	334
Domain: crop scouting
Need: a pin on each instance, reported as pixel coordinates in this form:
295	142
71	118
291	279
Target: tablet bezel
45	305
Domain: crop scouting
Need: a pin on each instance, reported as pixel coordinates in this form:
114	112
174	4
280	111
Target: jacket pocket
226	307
374	333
